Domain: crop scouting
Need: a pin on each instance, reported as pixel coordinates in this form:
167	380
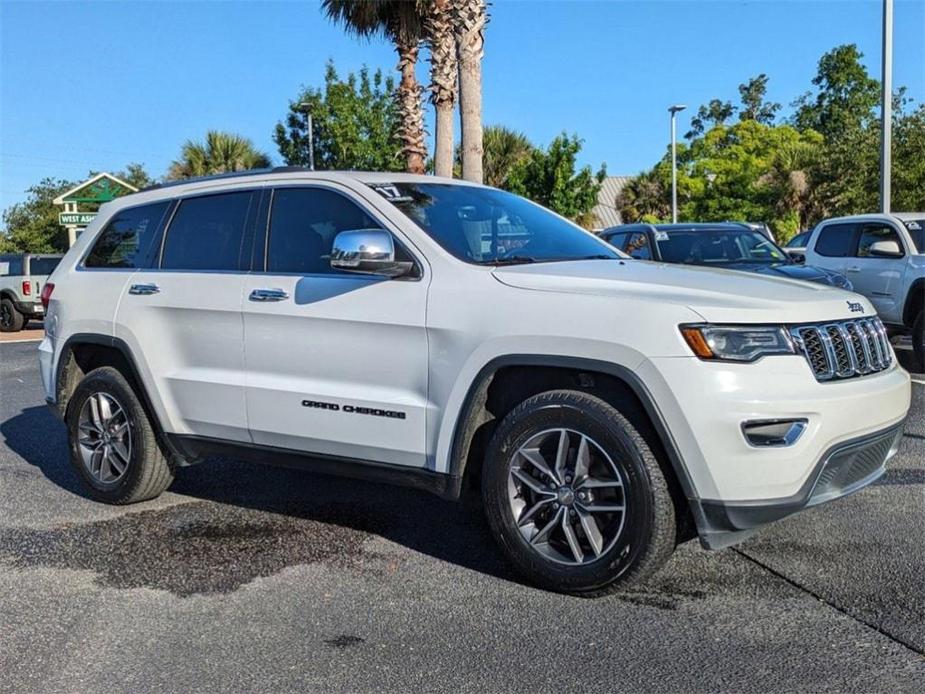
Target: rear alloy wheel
105	440
11	320
575	496
114	448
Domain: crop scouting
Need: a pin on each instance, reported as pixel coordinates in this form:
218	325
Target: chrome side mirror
368	251
885	249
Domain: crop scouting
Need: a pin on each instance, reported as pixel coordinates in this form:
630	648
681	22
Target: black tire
11	320
648	532
148	472
918	341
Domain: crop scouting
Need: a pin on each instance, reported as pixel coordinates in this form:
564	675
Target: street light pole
674	110
307	108
886	108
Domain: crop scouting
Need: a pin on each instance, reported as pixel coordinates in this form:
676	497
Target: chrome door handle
853	268
144	289
268	295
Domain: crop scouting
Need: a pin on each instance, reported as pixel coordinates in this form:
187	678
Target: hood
719	296
808	273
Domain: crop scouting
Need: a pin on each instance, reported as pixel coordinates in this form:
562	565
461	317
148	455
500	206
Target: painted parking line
919	381
17	342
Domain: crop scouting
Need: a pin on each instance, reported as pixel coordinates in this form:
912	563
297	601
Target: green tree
754	105
645	198
845	97
551	178
32	225
220	153
909	161
503	150
355	122
748	171
709	116
401	22
135	175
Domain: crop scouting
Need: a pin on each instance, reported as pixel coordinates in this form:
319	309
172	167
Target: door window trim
263	229
852	244
162	223
256	193
859	232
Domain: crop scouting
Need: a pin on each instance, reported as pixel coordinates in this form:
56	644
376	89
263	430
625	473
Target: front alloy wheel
567	496
575	496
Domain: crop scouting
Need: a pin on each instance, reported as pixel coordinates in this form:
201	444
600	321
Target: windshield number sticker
661	235
391	193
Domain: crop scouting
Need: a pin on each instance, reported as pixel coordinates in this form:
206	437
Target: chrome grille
844	349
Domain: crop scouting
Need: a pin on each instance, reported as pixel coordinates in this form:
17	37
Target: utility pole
306	107
886	108
674	110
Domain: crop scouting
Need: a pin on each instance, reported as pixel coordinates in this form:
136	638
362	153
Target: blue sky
95	85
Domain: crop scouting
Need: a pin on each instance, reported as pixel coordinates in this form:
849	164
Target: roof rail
218	177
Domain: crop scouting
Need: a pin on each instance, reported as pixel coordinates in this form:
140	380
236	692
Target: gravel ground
243	577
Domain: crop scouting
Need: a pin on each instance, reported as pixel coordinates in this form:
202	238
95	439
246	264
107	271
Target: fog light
773	433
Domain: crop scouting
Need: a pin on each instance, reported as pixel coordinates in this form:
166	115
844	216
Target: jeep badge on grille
855	307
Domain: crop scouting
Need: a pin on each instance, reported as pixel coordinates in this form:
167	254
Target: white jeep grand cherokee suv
444	335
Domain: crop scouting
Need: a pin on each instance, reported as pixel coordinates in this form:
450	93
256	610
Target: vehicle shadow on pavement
284	502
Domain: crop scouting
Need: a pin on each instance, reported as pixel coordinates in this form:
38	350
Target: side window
871	233
638	246
303	224
835	240
130	239
207	233
617	240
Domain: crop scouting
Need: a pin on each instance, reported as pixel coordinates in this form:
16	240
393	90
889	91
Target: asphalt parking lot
244	577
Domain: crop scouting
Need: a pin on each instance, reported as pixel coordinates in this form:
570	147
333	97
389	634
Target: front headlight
737	342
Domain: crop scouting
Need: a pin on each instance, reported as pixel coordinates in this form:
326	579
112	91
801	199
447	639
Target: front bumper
843	470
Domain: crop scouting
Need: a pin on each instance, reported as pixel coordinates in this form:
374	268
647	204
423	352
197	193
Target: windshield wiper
507	260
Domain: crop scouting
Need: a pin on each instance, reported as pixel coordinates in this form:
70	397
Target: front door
336	362
877	278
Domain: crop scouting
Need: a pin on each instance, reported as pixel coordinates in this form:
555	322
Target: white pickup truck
22	276
884	257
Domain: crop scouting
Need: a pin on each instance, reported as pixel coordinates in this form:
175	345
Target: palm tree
438	26
400	22
469	20
221	153
503	150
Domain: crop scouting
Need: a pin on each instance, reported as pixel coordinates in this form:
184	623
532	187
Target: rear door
878	278
336	362
183	321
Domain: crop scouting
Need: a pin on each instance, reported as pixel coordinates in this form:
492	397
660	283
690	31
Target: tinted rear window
836	240
130	239
207	233
43	266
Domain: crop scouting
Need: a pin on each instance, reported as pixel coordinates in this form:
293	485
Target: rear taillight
26	288
46	294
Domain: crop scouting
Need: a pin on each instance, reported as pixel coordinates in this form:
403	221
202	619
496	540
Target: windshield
916	229
718	247
490	227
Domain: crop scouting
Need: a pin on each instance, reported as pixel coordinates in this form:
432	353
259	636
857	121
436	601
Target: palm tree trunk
443	77
471	17
411	130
